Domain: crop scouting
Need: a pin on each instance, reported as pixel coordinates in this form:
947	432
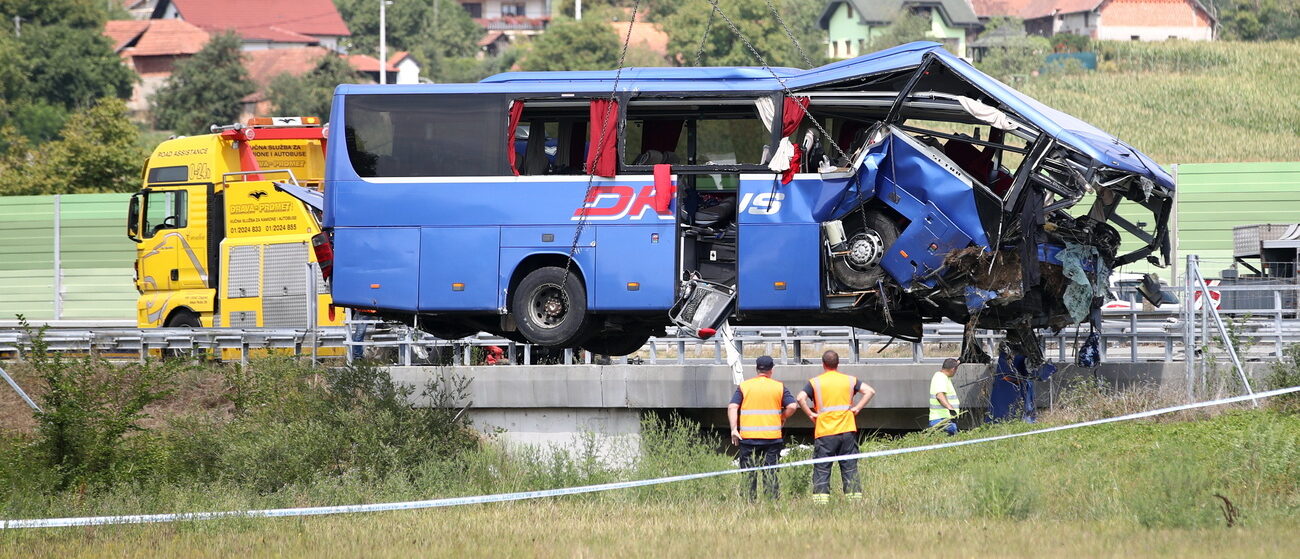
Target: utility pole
577	10
383	41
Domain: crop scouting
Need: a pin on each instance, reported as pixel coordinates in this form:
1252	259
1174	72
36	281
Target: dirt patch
200	389
15	416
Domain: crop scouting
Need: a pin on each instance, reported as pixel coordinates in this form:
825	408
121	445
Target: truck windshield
164	209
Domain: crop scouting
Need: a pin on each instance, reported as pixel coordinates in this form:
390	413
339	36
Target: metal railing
1127	335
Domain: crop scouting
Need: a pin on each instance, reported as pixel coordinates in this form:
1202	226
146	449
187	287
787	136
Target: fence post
312	311
1189	343
1133	328
58	260
1277	320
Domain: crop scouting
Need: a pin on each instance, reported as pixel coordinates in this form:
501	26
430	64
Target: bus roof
1083	136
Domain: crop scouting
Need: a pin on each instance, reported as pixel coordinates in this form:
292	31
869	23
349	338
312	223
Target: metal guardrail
1127	335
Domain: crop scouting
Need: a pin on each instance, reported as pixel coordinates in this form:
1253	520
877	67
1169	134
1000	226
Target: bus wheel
549	310
868	241
617	343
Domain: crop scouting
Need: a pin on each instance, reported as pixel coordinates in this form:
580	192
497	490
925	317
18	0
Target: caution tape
527	495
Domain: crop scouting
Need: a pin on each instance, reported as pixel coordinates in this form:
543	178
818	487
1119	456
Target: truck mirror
133	218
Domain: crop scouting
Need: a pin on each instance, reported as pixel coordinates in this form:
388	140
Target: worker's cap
764	363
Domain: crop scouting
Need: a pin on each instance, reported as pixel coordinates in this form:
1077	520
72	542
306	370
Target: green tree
77	14
73	67
907	27
1259	20
310	94
686	25
1010	53
97	151
433	31
204	90
590	44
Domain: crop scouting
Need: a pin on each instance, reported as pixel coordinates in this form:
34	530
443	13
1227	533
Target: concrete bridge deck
557	404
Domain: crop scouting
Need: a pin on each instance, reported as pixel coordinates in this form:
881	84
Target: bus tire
869	240
549	310
617	343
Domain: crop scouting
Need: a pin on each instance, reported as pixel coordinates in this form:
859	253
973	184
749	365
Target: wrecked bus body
883	192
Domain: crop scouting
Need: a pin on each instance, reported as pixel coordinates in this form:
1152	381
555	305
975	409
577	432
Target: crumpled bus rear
972	202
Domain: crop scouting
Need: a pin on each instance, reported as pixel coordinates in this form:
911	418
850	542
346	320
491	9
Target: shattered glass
1075	260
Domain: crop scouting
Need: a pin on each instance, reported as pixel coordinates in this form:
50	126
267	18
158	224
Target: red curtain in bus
792	111
602	153
516	110
661	135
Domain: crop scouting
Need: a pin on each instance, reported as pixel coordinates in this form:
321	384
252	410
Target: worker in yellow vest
835	425
756	412
944	404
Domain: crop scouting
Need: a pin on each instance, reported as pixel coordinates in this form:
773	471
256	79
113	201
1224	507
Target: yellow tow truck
224	228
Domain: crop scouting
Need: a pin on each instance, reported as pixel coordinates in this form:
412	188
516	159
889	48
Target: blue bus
577	209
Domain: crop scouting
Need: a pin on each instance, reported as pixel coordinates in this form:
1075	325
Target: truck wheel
184	319
617	343
551	311
869	240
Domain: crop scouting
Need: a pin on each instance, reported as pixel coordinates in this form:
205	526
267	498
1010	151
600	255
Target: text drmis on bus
881	192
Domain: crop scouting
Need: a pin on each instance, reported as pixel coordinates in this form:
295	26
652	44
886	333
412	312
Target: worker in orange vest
756	412
835	425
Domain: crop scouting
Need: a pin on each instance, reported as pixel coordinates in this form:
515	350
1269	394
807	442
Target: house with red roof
507	21
152	47
263	24
1115	20
986	10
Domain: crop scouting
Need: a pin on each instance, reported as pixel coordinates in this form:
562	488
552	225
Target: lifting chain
708	28
600	153
806	61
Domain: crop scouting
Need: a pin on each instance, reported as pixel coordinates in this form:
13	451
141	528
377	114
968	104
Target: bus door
709	142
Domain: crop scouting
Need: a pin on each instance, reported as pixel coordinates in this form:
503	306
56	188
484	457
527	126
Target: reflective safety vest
760	408
941	383
833	396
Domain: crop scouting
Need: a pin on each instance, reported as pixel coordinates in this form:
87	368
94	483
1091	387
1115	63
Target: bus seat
717	216
656	157
970	159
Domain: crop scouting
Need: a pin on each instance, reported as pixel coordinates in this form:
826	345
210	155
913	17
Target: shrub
1284	374
89	407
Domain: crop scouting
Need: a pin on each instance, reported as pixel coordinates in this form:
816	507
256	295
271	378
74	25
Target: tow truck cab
223	226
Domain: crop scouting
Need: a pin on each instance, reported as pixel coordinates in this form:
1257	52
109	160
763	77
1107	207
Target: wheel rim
865	250
548	306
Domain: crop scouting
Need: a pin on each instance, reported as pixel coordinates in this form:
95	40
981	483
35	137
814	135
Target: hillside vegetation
1184	102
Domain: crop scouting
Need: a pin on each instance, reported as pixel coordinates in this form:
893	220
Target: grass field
1139	489
1184	102
605	529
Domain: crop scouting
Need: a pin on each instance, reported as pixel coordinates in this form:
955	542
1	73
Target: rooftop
274	20
155	37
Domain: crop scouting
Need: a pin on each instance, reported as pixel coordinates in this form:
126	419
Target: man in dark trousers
757	411
835	425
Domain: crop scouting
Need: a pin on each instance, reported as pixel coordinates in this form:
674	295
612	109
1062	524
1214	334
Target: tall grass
349	437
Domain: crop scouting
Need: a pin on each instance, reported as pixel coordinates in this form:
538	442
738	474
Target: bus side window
165	209
551	138
712	132
426	135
